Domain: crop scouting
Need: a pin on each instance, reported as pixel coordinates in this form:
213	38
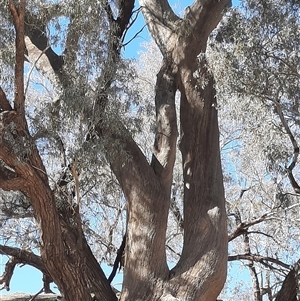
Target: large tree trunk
201	272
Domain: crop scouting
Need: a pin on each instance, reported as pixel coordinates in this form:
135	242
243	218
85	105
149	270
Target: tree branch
8	272
242	227
290	287
257	258
4	103
19	256
24	256
162	22
164	151
253	273
205	15
36	31
18	18
290	168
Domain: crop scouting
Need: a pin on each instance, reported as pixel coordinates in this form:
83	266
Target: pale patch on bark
165	119
39	60
214	215
168	297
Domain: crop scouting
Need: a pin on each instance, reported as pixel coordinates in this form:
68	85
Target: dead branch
75	175
6	174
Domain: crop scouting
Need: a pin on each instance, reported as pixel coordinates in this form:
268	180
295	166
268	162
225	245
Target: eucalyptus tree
62	137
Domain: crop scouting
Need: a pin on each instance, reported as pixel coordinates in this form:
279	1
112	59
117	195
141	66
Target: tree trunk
201	271
290	286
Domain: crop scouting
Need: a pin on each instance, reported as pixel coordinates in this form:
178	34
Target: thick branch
24	256
8	272
180	42
200	20
164	152
36	32
162	23
4	103
125	13
19	256
18	17
27	297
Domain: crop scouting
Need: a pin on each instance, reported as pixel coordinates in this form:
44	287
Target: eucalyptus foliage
257	73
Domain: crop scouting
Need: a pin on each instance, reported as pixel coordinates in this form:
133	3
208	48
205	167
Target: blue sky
28	279
132	49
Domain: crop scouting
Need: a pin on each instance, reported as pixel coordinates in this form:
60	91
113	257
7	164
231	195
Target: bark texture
290	286
65	254
201	271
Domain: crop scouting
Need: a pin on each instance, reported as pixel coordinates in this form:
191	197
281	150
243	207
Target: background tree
63	139
258	82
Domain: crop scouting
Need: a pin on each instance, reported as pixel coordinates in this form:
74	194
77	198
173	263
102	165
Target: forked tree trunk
201	271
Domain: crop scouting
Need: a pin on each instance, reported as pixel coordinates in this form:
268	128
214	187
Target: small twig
124	45
34	65
75	175
257	258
